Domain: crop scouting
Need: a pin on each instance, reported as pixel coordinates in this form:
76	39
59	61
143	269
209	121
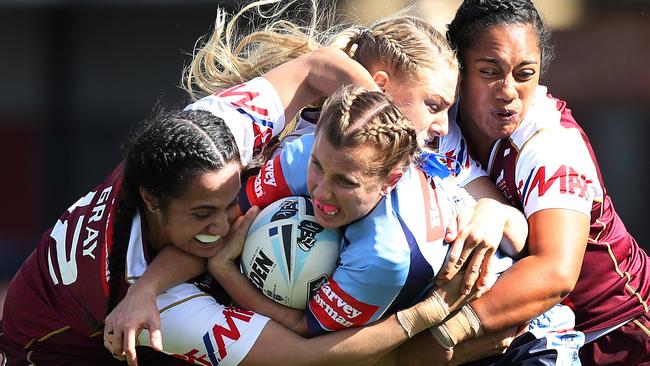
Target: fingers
473	270
456	258
113	341
129	347
452	265
452	231
486	277
156	339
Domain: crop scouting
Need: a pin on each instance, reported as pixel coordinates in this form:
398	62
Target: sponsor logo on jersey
335	309
269	176
217	340
568	180
268	185
243	100
505	191
265	178
262	135
194	357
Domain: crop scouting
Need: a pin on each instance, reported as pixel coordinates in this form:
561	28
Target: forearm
556	242
330	68
170	267
366	346
248	297
314	75
510	303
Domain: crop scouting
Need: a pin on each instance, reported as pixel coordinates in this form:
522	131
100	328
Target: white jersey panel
563	176
195	327
253	111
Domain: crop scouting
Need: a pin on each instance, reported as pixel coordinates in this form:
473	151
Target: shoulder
377	240
252	111
547	116
257	97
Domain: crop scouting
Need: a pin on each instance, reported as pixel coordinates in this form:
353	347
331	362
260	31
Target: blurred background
76	76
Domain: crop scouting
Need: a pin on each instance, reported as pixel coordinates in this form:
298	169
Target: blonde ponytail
229	58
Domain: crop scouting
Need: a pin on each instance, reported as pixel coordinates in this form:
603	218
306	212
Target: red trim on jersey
262	135
108	233
245	100
268	185
335	309
435	230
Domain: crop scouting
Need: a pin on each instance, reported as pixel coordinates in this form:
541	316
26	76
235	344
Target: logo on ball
288	255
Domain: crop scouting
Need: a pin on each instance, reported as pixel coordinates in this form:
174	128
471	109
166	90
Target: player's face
196	221
501	73
339	185
426	102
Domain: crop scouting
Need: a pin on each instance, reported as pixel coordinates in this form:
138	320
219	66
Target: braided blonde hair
354	116
406	43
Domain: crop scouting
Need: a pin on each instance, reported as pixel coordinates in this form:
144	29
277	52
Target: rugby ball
288	255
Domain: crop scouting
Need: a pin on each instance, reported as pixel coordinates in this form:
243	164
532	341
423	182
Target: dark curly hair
166	152
475	15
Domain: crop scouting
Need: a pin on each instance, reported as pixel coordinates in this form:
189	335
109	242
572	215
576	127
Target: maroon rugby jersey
549	163
58	298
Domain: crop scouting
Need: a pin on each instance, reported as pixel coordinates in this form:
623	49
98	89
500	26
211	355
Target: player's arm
559	225
193	330
446	299
556	246
316	74
282	176
138	310
224	269
481	229
487	217
424	350
531	286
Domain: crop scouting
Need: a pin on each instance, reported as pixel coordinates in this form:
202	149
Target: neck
152	224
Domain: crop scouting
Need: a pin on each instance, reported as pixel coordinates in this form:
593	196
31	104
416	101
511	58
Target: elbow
563	282
301	328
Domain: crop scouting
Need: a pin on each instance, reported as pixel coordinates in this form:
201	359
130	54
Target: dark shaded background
75	76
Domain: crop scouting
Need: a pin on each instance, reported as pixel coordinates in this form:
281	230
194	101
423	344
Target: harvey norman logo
335	309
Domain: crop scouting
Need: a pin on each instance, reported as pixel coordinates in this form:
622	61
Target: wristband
423	315
463	325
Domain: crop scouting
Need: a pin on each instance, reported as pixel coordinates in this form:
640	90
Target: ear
382	79
149	200
393	177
